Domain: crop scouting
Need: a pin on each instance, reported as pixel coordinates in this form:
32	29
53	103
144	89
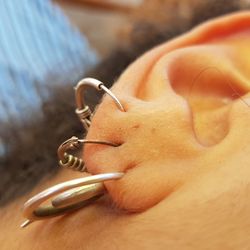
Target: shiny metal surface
33	211
69	161
83	111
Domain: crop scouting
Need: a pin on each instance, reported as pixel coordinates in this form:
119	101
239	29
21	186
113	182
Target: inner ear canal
210	96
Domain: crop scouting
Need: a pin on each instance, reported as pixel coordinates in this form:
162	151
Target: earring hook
82	110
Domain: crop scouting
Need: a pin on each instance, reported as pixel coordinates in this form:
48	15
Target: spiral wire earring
77	193
72	162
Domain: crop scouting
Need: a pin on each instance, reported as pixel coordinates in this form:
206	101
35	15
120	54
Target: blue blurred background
39	49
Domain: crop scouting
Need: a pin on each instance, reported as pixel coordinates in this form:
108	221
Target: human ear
180	101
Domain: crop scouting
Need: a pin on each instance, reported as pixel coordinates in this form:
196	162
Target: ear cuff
77	193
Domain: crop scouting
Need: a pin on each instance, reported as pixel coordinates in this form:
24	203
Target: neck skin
188	101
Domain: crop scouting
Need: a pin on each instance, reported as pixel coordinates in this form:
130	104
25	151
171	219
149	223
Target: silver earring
33	211
77	193
72	162
82	110
73	194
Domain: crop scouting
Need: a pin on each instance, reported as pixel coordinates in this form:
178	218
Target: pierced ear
179	98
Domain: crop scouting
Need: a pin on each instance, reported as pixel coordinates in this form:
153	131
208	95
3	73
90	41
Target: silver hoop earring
77	193
73	194
33	211
83	111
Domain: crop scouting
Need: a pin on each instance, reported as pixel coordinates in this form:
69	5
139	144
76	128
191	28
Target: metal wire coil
72	162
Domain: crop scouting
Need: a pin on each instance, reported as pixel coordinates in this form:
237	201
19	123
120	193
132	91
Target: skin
184	148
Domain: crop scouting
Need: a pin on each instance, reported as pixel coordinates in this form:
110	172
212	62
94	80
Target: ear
178	99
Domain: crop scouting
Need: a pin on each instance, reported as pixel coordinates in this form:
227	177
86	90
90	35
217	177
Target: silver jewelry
33	211
77	193
82	110
69	161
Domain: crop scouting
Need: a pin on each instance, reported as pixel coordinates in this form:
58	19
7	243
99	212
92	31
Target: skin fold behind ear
179	99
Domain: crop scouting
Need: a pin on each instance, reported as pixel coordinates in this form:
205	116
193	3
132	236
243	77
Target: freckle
136	126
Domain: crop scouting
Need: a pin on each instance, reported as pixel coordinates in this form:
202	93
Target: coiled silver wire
72	162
